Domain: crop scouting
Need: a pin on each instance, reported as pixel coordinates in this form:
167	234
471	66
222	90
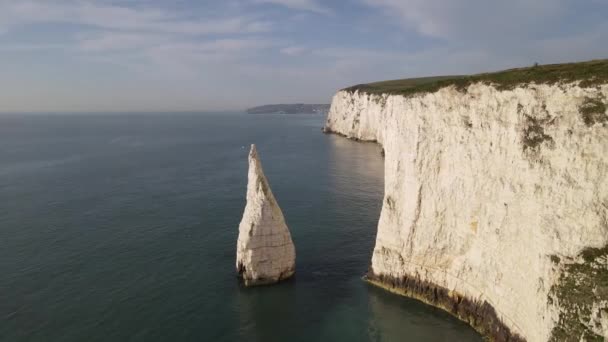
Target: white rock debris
485	189
265	252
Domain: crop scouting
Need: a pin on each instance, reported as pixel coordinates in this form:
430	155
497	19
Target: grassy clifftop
589	73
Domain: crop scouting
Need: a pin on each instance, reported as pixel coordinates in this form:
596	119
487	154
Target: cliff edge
496	195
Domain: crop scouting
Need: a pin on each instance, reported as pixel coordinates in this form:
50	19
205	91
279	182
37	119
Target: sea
123	227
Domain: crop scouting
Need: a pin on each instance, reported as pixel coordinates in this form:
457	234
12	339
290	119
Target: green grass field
589	73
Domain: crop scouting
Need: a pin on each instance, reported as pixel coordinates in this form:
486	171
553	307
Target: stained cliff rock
495	205
265	251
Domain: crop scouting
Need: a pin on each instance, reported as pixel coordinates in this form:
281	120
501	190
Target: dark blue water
123	228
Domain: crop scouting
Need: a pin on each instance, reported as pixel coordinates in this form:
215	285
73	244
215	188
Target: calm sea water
123	228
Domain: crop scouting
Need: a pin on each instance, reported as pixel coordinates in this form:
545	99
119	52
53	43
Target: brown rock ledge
479	315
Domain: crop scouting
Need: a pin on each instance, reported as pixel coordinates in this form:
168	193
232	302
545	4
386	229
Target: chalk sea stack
265	252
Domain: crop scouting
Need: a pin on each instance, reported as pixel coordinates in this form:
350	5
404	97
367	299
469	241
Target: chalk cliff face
265	251
495	204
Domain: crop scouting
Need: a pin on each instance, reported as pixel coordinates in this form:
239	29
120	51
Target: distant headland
294	108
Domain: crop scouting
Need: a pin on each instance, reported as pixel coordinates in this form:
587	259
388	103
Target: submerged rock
265	252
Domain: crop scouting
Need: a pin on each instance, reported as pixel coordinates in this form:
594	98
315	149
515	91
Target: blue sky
142	55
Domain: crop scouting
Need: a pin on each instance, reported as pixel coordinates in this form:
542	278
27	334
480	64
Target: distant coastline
295	108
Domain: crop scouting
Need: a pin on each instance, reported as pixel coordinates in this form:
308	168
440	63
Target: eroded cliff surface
495	204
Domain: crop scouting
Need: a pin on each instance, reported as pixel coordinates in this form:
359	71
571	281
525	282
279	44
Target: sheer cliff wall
495	205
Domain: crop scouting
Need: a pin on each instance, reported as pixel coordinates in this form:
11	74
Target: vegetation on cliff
582	293
594	111
589	74
296	108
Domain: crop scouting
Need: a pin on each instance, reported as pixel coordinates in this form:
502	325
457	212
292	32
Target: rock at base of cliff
479	315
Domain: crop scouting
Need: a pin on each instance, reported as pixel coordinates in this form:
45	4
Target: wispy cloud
473	20
29	47
306	5
112	41
189	53
170	57
294	50
220	49
507	33
114	17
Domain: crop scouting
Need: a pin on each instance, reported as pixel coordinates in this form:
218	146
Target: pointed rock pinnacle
265	252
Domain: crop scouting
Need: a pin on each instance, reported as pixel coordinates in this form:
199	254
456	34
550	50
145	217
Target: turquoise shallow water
123	228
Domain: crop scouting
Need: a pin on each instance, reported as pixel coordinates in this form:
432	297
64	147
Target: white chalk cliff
265	252
495	204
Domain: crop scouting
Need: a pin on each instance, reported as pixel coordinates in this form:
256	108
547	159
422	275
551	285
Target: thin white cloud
27	47
113	41
473	20
294	50
223	47
468	36
305	5
172	58
150	56
114	17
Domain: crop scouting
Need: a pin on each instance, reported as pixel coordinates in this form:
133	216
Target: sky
197	55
